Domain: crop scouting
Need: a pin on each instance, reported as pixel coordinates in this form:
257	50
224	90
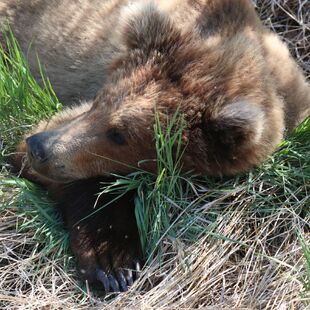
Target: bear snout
50	154
36	149
39	151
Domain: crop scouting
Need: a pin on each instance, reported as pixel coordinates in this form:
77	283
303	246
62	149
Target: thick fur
233	80
104	235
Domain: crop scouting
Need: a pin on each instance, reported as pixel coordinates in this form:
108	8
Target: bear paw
106	258
105	241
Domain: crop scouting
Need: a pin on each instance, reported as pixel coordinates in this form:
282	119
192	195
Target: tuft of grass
23	102
36	214
161	205
24	207
173	206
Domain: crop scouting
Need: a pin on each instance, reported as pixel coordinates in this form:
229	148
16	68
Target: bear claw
102	277
129	277
113	284
137	267
122	281
118	283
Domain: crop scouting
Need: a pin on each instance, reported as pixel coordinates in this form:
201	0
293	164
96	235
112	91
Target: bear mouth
51	173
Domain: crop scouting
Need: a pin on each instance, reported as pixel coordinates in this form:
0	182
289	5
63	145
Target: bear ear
145	27
237	126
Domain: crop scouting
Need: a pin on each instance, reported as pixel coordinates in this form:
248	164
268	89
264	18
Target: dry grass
250	256
291	20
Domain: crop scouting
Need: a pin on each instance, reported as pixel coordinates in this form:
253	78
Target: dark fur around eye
116	136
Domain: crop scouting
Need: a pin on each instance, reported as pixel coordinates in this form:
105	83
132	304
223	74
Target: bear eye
116	136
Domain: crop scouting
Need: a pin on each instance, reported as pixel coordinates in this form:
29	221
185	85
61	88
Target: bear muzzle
41	157
36	150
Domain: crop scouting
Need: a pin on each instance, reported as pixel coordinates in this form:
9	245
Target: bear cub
114	63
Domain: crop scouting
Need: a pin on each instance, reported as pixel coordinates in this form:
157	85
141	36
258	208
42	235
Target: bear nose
36	149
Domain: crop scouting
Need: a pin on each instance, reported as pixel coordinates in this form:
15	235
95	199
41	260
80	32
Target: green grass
37	214
171	206
162	204
23	102
167	205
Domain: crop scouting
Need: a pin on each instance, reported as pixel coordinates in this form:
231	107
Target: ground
241	242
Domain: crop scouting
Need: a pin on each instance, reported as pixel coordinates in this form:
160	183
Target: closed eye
116	136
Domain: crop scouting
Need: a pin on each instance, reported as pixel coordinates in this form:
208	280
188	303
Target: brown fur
234	81
206	56
104	241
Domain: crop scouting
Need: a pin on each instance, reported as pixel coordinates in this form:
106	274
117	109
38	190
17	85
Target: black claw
102	277
113	284
138	266
129	277
137	269
122	281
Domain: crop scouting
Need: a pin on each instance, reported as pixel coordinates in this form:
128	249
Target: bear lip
42	171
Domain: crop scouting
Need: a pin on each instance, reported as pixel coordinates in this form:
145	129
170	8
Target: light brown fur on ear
240	135
248	118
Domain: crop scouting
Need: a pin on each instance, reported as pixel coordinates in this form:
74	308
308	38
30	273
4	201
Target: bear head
221	86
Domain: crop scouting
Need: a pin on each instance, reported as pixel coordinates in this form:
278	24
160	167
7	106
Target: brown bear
233	80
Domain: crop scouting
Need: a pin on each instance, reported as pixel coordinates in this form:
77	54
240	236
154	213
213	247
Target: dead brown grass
244	261
291	20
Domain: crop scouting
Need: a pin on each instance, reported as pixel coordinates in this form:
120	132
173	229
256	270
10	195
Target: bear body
234	82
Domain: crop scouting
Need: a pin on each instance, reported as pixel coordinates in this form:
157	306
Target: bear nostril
36	149
38	155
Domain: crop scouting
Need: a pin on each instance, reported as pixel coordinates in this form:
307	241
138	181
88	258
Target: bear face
222	85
